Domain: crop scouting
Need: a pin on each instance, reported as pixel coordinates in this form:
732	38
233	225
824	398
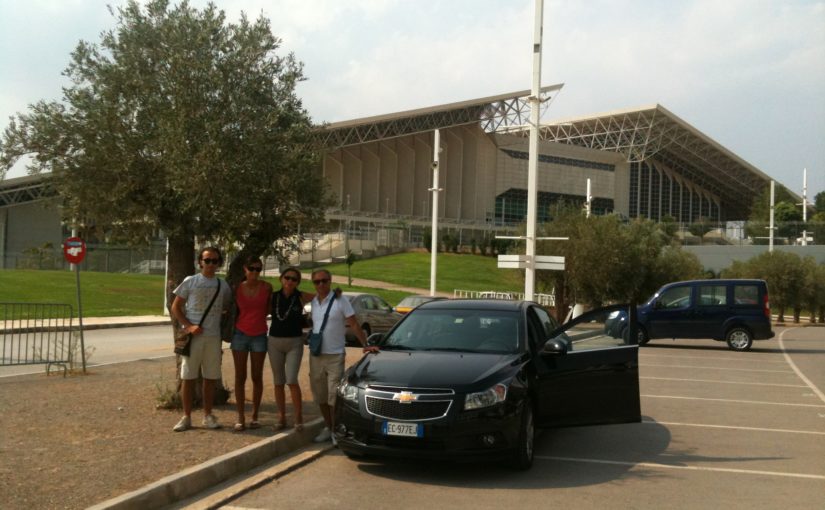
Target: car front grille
420	410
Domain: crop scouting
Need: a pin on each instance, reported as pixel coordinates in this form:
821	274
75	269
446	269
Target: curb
197	479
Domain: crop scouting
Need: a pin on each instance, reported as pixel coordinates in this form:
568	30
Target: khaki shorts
285	355
325	372
204	354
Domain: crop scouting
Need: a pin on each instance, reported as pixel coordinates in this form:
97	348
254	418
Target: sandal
254	424
299	427
239	427
279	426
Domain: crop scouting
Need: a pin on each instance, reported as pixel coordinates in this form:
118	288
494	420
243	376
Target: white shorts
325	372
204	354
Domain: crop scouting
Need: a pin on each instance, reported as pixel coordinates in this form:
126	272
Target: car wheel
739	339
523	457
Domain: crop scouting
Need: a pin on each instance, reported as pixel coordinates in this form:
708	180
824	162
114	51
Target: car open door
585	373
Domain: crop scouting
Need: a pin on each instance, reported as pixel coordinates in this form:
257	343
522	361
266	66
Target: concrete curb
197	479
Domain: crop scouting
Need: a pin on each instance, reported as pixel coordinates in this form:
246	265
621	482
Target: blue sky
748	73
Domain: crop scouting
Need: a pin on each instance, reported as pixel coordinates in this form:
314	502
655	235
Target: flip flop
239	427
254	424
279	426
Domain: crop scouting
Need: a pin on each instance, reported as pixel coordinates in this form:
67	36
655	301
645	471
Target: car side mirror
375	339
555	346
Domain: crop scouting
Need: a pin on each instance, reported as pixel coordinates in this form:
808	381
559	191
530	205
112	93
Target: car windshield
485	331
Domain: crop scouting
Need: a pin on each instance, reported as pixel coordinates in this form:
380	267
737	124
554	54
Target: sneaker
323	436
334	441
210	422
184	424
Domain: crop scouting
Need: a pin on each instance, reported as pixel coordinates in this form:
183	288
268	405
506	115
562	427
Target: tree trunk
780	314
797	311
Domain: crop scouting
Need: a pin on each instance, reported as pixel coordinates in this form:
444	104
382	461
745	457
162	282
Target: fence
36	333
542	299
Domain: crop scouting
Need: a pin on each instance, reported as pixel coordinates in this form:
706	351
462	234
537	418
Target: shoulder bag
316	339
183	338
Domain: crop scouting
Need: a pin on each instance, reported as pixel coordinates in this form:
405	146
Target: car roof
751	281
475	304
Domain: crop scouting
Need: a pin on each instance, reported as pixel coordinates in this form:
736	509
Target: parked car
408	303
735	311
373	313
472	379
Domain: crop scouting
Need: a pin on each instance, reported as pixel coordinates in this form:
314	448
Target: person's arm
179	314
359	333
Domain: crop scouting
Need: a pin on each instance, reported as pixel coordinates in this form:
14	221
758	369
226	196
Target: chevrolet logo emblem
405	397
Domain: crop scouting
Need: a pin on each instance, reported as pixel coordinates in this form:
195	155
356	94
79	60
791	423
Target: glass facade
511	206
655	194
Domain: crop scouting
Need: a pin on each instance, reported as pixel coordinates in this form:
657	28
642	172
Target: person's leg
239	358
211	371
258	359
208	395
297	405
187	390
326	412
277	361
293	365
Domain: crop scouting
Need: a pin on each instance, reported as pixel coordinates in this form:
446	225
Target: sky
750	74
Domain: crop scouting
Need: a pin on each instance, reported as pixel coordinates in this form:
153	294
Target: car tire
739	339
523	458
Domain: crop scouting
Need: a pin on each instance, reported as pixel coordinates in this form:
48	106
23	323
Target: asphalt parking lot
720	429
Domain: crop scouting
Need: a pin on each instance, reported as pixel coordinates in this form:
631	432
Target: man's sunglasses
256	269
211	261
290	278
320	282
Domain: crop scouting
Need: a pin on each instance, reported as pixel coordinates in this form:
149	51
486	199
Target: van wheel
739	339
641	335
523	458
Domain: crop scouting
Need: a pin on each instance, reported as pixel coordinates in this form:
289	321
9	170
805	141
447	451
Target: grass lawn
117	294
454	271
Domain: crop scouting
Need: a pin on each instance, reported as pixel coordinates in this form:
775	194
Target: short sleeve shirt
198	291
335	340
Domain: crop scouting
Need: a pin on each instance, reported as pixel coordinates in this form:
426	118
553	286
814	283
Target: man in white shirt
192	297
327	368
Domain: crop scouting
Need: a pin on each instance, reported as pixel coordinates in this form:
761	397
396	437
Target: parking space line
755	429
657	465
717	358
796	370
717	368
724	382
735	401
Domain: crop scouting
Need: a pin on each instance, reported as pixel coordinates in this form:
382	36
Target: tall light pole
435	190
805	206
533	156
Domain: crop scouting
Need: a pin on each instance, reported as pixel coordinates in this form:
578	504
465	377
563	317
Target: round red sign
74	249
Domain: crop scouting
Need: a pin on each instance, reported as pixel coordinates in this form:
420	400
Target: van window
746	294
675	297
713	295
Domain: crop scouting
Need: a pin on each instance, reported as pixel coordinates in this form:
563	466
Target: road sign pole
80	317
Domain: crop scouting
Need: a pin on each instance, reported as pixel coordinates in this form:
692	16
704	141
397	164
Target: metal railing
542	299
37	333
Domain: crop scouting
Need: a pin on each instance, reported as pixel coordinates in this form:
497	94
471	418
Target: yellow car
408	303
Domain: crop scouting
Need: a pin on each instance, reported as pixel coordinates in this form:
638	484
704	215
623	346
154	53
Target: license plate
394	428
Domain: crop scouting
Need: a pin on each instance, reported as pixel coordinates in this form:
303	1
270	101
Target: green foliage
181	122
819	202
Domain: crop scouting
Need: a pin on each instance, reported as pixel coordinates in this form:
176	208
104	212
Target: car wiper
451	349
397	348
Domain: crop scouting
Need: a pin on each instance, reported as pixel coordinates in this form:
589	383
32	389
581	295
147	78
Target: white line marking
734	401
757	429
725	382
716	358
795	369
689	468
716	368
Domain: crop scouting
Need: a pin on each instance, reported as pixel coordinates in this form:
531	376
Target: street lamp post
533	156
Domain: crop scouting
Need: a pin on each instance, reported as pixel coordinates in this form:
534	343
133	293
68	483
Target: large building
644	162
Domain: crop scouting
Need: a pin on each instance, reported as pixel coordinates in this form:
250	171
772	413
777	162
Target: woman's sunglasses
290	278
256	269
211	261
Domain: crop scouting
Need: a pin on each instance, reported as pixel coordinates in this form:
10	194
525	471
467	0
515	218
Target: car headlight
486	398
613	314
348	392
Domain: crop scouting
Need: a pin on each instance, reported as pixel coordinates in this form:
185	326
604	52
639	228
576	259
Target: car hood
460	371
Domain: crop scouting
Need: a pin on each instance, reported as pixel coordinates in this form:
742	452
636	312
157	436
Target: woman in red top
252	298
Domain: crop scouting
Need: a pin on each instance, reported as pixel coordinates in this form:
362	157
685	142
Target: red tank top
252	311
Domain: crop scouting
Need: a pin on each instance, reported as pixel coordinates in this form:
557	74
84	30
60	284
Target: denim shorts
242	342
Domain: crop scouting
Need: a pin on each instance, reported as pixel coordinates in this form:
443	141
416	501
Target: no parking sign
74	250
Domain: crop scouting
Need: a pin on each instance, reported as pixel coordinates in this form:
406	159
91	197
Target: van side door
670	314
711	311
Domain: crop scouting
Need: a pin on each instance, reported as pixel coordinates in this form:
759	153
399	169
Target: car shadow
758	347
565	457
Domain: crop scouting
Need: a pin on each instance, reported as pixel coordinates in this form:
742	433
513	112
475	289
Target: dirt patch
76	441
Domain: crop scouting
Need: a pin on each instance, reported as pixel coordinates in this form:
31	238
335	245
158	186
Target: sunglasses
211	261
320	282
290	278
256	269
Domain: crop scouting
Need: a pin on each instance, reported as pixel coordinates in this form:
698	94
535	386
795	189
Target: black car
469	379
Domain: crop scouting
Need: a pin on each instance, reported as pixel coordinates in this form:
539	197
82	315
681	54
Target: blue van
735	311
